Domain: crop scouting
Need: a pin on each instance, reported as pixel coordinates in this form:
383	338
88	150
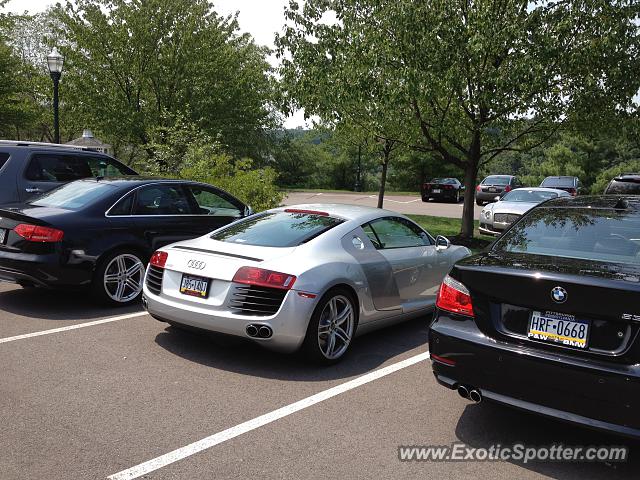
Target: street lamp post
54	62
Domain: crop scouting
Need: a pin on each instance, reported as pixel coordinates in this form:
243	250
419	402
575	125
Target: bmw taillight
454	297
264	278
36	233
159	259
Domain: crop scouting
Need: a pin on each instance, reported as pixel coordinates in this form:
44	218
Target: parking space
95	401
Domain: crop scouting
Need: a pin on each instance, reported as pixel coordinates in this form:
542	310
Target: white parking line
221	437
72	327
398	201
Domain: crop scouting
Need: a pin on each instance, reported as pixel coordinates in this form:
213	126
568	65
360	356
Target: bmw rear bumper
601	395
289	324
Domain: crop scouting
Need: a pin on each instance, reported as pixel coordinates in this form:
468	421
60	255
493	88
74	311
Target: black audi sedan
547	319
100	233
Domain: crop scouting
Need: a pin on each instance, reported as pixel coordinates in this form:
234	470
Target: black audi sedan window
277	229
596	234
162	200
3	159
75	195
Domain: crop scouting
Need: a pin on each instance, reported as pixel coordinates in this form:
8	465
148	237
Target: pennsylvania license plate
194	286
436	190
560	328
3	235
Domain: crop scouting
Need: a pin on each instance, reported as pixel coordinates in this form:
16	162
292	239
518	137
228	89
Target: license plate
560	328
436	190
194	286
492	189
3	235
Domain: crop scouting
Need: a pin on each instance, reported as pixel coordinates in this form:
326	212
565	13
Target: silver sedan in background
301	277
496	217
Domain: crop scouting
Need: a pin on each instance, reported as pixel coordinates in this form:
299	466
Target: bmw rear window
596	234
277	229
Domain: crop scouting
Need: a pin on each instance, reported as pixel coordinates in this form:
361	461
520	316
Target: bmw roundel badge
559	295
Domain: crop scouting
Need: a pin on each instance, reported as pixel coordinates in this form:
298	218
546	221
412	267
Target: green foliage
467	81
127	63
183	151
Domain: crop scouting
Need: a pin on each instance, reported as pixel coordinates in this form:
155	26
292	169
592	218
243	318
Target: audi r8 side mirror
442	243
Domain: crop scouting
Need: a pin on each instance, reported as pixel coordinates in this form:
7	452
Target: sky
261	18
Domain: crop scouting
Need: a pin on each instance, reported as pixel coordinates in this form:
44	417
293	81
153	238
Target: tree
468	80
131	66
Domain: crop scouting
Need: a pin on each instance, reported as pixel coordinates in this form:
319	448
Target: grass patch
450	228
333	190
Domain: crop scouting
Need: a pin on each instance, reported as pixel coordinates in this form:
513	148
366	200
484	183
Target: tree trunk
383	180
470	177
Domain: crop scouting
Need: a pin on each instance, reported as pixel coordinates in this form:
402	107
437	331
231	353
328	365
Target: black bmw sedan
100	233
547	320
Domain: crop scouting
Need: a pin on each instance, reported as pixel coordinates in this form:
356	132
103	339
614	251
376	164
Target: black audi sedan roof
596	201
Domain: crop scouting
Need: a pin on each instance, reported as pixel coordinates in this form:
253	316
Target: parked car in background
625	184
100	233
547	320
496	217
495	185
443	189
28	169
566	183
305	276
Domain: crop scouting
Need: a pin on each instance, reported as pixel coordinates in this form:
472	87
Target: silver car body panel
488	224
390	285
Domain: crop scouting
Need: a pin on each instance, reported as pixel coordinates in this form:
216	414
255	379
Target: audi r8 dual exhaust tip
259	331
470	393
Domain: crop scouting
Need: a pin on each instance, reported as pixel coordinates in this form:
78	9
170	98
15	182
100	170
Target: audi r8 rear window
596	234
277	229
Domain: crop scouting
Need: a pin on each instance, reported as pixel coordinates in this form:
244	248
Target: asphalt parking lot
407	204
111	389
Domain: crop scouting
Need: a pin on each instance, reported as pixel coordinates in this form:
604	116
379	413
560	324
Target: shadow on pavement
487	424
244	357
46	304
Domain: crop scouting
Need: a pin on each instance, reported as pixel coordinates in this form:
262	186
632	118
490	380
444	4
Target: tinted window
622	187
557	182
57	168
497	180
74	196
397	233
593	234
445	181
123	207
161	200
532	196
277	229
210	202
106	167
3	159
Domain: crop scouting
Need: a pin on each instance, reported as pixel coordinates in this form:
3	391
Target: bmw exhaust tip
265	332
475	395
252	330
463	391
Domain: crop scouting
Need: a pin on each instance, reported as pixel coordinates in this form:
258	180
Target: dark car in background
566	183
495	185
625	184
548	318
100	233
28	169
443	189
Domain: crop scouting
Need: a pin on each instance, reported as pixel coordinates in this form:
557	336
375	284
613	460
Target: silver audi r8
306	276
496	217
